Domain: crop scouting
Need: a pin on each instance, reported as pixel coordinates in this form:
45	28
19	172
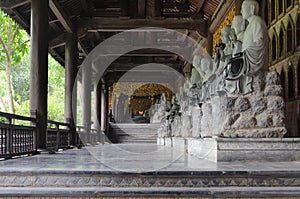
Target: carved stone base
256	115
238	149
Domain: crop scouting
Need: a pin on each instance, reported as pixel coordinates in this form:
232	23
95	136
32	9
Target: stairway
133	133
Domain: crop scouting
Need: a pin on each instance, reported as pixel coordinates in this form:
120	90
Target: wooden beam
124	8
87	7
119	67
141	8
220	14
82	48
199	5
57	56
13	3
158	8
54	26
61	16
21	19
21	4
145	52
118	24
136	77
59	40
84	5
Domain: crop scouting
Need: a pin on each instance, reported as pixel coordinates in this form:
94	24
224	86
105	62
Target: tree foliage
15	73
13	46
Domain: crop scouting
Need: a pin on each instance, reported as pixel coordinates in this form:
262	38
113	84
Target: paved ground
136	158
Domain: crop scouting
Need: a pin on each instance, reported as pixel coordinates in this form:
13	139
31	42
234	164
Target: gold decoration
227	21
141	94
140	105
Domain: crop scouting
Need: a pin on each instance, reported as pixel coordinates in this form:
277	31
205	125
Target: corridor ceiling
96	20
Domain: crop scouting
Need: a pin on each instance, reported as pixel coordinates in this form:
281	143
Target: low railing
20	138
58	135
16	140
85	138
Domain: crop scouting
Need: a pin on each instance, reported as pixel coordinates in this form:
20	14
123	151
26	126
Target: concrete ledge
241	149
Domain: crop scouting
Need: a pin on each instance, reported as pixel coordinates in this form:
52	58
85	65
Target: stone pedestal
240	149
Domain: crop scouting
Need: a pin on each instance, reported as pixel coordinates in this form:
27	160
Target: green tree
13	46
56	90
20	80
15	73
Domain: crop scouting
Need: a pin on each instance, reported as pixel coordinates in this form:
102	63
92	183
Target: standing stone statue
237	34
236	37
225	53
255	46
196	76
206	71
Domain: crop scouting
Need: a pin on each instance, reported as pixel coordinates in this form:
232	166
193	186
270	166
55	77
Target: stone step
149	127
118	179
157	192
134	133
138	171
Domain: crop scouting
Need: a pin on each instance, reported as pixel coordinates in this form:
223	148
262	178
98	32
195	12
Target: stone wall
293	118
285	60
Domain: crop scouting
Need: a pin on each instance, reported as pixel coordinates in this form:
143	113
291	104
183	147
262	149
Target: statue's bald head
252	3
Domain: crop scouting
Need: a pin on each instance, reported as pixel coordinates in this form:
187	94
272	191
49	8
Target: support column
209	44
71	56
39	67
103	107
155	8
97	111
86	101
114	105
106	108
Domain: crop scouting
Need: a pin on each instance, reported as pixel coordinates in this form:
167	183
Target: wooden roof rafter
13	3
61	16
64	19
94	21
116	23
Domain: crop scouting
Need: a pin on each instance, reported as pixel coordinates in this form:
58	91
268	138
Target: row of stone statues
236	73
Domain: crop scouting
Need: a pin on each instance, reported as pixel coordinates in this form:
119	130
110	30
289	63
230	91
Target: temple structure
217	81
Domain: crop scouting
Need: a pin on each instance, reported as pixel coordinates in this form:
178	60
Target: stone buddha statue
226	52
237	34
255	42
255	46
208	77
196	77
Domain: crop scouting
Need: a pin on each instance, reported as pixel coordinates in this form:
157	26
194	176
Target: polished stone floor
134	158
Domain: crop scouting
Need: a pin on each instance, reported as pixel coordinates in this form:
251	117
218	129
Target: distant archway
298	31
280	6
273	10
266	13
281	43
290	37
289	3
274	48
